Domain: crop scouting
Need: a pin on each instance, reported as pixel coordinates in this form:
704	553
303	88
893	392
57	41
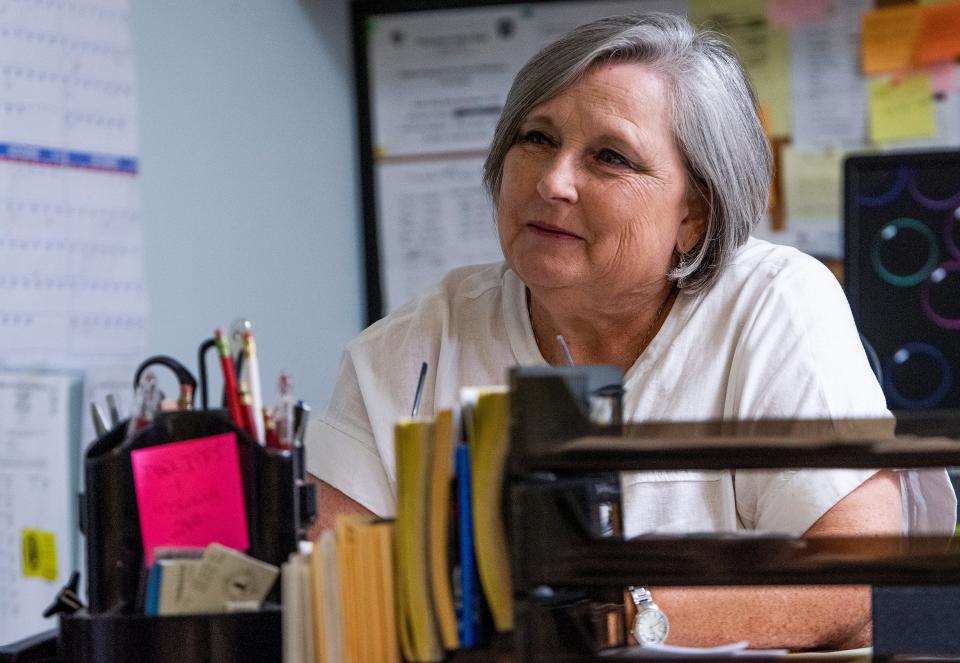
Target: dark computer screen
902	272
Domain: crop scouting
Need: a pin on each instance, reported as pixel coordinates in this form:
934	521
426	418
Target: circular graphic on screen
949	198
917	377
888	196
905	252
951	233
940	296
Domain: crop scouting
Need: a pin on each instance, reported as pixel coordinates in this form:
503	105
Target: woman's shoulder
464	292
759	265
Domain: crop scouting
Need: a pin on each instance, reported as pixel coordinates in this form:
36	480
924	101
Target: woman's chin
539	273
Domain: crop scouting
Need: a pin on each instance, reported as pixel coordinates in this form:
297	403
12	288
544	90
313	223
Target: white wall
250	179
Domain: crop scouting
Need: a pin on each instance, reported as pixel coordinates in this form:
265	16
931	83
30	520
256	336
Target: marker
229	378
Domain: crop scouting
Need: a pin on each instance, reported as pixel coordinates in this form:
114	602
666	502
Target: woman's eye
612	158
535	137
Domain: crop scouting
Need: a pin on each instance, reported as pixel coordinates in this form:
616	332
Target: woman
627	171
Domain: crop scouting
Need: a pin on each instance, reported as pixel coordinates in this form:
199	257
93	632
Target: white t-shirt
772	338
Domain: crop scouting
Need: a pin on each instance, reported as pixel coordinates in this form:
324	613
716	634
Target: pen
146	403
113	410
185	401
253	383
246	409
301	413
99	425
283	412
229	378
416	397
566	350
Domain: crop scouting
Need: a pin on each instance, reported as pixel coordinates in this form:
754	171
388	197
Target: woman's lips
548	230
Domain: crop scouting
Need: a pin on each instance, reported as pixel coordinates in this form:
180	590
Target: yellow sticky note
812	185
39	553
763	49
902	108
889	38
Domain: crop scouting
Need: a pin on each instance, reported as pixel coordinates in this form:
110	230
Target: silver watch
650	626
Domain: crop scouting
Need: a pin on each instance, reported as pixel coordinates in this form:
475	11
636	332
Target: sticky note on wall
190	494
889	38
38	554
939	34
901	109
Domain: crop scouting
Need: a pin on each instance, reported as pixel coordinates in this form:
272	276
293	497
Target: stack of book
435	579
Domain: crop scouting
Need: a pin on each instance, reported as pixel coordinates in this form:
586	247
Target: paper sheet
901	108
813	197
434	216
440	78
763	49
71	242
38	459
829	94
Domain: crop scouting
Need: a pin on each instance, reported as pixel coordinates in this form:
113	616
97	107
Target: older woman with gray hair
627	172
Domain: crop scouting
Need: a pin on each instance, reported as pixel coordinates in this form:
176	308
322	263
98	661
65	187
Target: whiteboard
39	461
432	80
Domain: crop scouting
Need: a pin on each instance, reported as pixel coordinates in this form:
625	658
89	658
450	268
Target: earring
682	259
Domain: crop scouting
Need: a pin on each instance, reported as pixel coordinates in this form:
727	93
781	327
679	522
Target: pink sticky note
787	13
190	494
943	77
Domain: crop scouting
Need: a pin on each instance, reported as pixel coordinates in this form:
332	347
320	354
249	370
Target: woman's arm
801	617
330	504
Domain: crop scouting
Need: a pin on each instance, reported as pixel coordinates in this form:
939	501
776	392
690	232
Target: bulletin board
833	77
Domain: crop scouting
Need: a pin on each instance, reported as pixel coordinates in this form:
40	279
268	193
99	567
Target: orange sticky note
190	494
889	38
939	34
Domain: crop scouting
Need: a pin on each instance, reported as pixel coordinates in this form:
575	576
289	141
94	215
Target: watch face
650	627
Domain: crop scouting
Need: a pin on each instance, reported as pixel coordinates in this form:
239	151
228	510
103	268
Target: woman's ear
693	227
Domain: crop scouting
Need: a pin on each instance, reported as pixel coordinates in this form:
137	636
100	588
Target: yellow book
441	471
489	444
383	573
351	619
417	626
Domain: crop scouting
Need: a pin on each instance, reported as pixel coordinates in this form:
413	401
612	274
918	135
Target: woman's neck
612	332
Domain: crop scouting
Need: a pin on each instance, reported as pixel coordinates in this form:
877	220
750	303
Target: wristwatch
650	626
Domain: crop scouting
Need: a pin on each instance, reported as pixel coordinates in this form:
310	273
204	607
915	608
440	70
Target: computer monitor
902	272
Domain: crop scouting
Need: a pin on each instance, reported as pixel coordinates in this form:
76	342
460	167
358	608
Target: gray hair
714	113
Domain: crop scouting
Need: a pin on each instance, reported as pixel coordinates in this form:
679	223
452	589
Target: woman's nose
559	180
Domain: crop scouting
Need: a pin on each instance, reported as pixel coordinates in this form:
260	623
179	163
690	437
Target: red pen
229	378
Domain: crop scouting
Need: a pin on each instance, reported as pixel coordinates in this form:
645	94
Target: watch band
639	595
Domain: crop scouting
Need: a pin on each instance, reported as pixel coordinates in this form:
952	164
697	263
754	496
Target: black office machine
570	566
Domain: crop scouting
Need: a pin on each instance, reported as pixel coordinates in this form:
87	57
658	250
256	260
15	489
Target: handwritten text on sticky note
190	494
